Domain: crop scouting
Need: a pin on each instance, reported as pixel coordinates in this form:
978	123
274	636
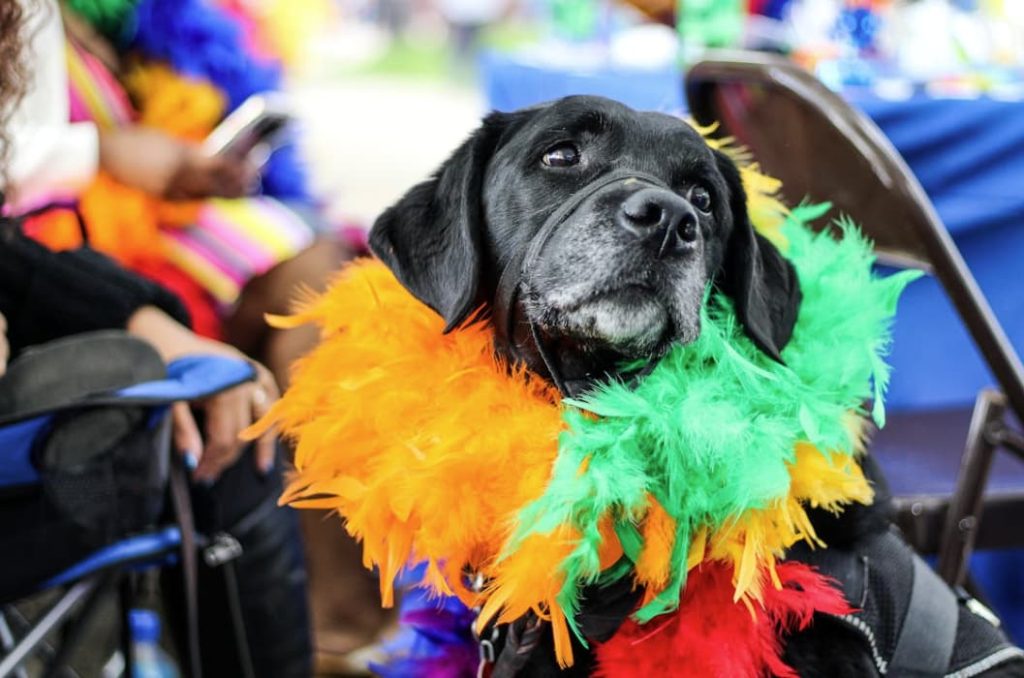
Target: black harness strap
925	643
906	614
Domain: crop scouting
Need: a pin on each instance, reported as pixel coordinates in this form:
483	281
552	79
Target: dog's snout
660	215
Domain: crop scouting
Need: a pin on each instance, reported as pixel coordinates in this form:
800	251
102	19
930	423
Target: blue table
968	155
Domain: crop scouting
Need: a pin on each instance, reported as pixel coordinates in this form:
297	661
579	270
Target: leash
189	568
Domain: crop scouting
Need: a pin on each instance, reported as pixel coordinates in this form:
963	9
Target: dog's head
590	231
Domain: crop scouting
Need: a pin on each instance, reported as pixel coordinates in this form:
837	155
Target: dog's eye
562	155
700	198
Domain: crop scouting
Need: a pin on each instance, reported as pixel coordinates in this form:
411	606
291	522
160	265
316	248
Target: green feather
710	430
107	16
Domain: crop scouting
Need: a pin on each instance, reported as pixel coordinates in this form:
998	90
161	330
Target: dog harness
910	620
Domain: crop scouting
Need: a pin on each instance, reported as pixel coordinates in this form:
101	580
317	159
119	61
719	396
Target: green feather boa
107	16
710	431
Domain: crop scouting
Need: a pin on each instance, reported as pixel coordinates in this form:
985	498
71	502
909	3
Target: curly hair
13	71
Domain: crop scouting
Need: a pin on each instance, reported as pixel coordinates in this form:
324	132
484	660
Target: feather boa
710	635
202	42
433	450
125	221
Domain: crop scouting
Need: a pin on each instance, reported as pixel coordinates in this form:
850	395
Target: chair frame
960	515
112	567
87	582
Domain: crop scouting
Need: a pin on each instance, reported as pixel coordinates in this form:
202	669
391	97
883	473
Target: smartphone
257	123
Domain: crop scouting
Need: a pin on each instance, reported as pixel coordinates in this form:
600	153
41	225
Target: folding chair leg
961	528
7	643
54	616
74	631
126	601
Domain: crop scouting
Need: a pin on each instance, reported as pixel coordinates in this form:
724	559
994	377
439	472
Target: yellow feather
753	541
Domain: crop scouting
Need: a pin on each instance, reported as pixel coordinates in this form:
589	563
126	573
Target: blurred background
385	89
424	70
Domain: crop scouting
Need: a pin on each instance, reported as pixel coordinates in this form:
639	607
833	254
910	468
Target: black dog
589	232
623	274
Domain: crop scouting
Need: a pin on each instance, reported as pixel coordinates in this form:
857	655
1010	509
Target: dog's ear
431	238
761	282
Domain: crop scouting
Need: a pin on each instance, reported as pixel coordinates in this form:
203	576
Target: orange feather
428	476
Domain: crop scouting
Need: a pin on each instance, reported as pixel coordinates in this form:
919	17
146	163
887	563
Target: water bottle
150	660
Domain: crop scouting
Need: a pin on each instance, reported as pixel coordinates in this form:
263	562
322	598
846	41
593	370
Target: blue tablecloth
968	155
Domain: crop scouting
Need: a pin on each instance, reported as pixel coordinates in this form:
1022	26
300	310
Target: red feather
712	636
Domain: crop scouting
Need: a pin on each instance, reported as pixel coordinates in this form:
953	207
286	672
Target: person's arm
48	154
46	295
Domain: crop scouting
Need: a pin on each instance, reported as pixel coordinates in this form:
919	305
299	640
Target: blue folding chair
101	513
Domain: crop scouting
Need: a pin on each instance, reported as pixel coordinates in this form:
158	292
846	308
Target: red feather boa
712	636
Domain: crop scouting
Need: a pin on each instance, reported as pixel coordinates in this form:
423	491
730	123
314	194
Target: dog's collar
523	342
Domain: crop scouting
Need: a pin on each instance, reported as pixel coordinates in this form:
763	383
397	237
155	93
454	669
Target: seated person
151	198
46	295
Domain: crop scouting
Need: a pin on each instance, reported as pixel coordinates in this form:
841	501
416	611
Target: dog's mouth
630	320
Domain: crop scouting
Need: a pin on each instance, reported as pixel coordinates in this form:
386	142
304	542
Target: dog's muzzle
524	341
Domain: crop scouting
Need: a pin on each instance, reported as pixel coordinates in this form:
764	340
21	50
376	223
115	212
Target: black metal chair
820	146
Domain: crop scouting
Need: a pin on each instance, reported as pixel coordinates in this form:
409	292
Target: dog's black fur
616	280
451	238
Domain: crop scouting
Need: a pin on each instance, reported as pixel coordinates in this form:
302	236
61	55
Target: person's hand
204	176
227	414
165	167
5	346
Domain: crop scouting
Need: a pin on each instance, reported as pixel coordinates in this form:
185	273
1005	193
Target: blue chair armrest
190	378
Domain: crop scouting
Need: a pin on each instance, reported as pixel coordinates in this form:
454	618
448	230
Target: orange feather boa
394	425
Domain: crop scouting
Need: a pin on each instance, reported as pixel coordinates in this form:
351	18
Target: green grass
432	57
411	58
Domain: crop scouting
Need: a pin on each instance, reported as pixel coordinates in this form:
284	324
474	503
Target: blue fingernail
191	461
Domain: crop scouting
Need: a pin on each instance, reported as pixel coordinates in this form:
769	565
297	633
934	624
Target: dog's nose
662	216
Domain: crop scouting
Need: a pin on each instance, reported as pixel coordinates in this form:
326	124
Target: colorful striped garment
221	244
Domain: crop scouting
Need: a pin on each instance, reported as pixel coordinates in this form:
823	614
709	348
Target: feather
659	536
182	106
435	639
712	431
711	635
461	479
433	450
